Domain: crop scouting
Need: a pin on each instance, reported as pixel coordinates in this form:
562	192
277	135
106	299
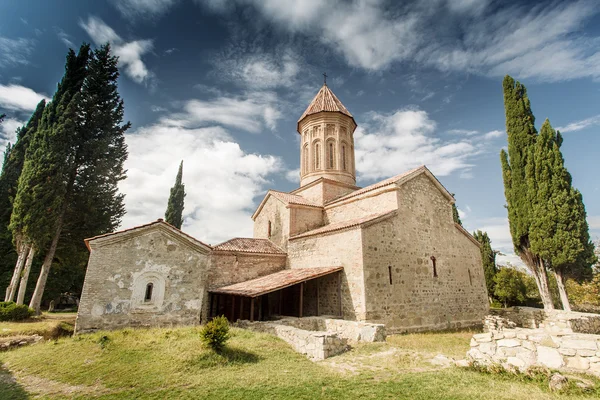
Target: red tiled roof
277	281
293	199
249	245
345	224
158	221
325	100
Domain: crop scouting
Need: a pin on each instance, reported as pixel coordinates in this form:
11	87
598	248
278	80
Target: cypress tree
96	153
14	158
174	213
517	165
559	231
48	171
488	258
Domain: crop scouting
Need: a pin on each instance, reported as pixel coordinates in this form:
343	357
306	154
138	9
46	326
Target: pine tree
49	169
96	153
517	165
14	159
488	258
174	214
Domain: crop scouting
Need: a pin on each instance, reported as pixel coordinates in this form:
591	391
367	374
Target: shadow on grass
229	356
9	388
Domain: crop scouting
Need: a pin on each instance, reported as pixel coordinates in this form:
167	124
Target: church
387	253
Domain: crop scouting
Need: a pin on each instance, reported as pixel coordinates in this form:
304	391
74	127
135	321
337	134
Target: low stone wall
551	320
523	347
317	345
354	331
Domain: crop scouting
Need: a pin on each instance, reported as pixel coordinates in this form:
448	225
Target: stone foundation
551	320
318	337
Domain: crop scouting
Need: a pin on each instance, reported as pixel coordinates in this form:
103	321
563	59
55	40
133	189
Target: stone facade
399	258
122	267
552	320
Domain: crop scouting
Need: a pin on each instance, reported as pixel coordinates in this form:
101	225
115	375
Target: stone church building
386	253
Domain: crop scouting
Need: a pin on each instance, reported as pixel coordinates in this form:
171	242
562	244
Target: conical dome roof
325	100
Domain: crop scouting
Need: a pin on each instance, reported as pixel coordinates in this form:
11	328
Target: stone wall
228	268
354	331
119	271
278	214
401	289
324	190
303	219
552	320
316	345
361	206
340	248
523	347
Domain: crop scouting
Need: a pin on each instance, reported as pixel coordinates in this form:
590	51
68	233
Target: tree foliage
488	258
174	213
510	287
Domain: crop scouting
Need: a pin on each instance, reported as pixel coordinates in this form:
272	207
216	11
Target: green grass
44	325
172	363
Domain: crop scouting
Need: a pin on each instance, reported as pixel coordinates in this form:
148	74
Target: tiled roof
158	221
325	100
277	281
377	185
249	245
293	199
345	224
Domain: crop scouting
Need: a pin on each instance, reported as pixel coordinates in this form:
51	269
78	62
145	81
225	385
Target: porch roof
273	282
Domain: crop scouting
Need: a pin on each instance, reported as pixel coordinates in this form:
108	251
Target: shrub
10	311
215	333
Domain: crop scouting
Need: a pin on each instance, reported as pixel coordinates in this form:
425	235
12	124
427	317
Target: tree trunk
25	277
12	288
36	299
562	290
536	266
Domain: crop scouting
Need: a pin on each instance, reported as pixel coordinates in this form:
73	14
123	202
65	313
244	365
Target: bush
215	333
10	311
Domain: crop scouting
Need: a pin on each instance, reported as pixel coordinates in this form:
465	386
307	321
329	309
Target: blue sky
220	84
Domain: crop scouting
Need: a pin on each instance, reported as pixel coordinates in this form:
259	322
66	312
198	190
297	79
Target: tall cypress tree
174	213
488	258
48	173
94	161
559	231
11	170
516	165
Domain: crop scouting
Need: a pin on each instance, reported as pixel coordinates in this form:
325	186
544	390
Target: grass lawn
172	363
44	325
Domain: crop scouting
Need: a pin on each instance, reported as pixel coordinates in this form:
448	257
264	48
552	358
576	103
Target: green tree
14	158
559	230
488	258
515	166
95	139
174	214
510	288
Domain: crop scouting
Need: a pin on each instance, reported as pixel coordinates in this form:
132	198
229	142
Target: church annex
387	253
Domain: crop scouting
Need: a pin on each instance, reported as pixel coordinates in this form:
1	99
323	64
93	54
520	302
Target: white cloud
130	53
223	182
251	112
8	131
64	37
463	132
293	175
499	232
15	51
19	98
260	70
142	8
544	41
579	125
594	221
387	144
493	134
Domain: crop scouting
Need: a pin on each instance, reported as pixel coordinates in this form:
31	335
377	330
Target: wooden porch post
280	301
241	307
232	308
218	303
251	309
260	303
317	282
340	293
301	298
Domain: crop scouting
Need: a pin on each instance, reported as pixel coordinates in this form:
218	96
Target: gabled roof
159	223
338	226
404	177
249	245
287	199
325	100
277	281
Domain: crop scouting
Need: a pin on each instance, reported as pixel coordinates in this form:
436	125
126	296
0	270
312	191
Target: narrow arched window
434	266
344	158
269	230
317	156
390	274
148	295
305	166
470	277
330	155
